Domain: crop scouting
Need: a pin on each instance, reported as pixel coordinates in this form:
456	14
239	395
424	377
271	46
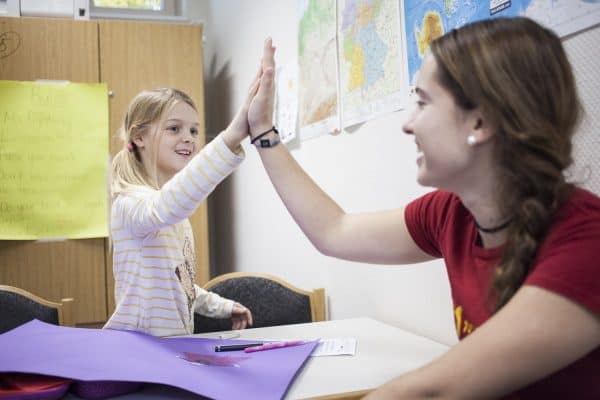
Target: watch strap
258	141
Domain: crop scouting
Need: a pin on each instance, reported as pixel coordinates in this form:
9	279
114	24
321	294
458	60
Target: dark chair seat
271	300
18	307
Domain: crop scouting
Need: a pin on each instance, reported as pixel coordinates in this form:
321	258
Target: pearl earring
471	140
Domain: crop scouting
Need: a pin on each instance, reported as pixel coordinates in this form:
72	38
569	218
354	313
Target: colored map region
317	75
426	20
371	78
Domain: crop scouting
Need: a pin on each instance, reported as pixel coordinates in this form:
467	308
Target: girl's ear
138	140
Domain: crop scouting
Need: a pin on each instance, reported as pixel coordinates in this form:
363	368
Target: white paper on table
335	347
326	347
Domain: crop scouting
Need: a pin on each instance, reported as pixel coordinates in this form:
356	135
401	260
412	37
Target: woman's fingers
268	59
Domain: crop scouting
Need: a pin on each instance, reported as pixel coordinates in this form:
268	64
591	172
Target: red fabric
22	386
566	263
32	386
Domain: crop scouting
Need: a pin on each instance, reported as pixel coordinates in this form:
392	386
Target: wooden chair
18	306
271	300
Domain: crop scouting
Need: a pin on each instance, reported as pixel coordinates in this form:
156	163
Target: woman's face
440	129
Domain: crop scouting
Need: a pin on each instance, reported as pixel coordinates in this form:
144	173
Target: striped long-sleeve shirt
153	249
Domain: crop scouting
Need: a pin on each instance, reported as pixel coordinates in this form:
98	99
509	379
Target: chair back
271	300
18	306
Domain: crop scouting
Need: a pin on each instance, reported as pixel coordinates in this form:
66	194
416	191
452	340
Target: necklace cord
493	229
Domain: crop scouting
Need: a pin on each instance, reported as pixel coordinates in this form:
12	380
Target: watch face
267	142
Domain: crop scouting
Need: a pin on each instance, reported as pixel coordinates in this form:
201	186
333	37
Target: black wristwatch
258	141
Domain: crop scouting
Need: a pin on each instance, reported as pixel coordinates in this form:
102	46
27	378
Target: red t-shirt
566	263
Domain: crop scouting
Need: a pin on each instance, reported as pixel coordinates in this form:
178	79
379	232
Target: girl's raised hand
238	128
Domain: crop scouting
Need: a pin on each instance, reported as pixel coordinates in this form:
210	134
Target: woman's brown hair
517	74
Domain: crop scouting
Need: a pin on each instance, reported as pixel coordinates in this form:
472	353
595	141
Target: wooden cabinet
128	56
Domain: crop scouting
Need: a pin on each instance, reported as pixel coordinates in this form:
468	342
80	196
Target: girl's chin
182	163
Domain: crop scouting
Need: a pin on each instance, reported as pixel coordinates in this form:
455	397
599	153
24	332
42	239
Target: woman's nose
411	112
407	126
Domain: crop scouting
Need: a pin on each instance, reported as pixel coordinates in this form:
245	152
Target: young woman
496	110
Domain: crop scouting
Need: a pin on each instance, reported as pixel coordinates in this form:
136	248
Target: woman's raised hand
256	114
260	110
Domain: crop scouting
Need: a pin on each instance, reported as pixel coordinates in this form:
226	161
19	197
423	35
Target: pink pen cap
274	345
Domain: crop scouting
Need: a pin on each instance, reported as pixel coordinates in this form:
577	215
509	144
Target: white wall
369	169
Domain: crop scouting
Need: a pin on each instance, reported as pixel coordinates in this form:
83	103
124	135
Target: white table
382	353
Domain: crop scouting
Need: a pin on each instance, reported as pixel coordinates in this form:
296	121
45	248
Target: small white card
335	347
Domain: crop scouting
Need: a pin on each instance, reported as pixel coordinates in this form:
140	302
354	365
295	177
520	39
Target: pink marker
275	345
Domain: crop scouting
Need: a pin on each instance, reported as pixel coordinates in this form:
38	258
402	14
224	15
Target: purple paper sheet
102	354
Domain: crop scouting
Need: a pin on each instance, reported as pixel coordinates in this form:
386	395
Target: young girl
496	109
158	180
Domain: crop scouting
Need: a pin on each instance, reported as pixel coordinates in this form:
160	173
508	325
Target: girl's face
178	137
440	129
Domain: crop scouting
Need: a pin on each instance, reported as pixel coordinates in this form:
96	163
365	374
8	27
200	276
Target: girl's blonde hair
143	113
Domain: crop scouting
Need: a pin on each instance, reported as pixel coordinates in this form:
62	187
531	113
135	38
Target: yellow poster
53	160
